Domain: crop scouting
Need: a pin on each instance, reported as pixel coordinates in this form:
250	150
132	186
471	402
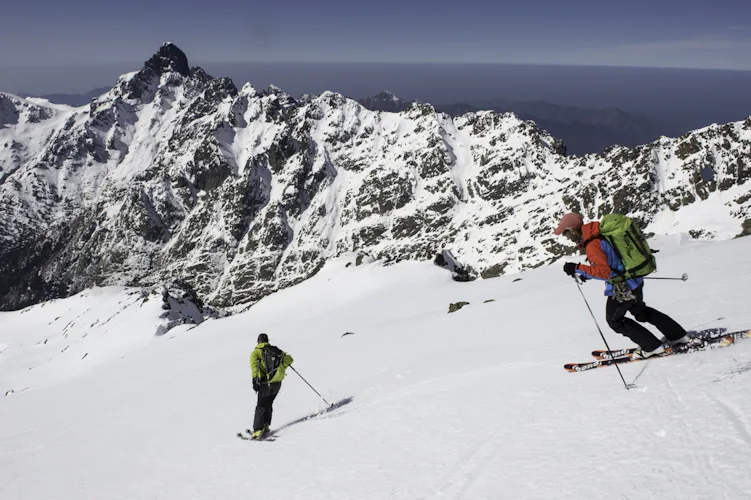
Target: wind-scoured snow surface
429	405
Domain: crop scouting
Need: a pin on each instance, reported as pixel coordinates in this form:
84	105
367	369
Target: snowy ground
473	404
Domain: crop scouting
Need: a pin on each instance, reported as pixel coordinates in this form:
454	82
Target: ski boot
642	354
683	340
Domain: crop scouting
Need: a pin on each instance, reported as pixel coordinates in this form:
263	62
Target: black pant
266	395
615	312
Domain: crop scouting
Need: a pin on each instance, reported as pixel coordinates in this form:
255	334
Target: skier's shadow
334	406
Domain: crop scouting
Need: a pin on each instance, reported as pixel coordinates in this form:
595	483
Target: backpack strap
260	368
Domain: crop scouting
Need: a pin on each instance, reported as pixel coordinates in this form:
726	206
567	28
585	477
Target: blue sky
657	33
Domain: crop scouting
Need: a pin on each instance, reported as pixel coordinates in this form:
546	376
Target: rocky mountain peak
169	63
168	58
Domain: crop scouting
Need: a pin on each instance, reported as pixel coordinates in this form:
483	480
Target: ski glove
570	268
256	385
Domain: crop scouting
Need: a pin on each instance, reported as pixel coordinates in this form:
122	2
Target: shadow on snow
334	406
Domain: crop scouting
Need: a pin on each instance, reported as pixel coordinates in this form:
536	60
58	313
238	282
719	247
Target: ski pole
628	386
303	379
682	278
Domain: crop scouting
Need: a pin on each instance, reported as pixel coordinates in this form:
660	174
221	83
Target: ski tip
578	367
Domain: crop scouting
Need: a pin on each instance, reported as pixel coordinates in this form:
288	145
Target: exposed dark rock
746	228
494	271
464	274
168	58
456	306
687	148
380	194
407	226
8	111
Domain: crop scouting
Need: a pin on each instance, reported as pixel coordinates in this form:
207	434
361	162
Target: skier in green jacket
268	364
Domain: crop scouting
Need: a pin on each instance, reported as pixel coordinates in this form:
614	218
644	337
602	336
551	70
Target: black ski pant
615	312
266	395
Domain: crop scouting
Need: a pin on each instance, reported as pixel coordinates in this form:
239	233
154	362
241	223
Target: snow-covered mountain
174	174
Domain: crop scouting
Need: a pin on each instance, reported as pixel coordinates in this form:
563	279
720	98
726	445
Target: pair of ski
700	341
248	436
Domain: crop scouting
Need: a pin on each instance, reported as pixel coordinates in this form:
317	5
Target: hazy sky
662	33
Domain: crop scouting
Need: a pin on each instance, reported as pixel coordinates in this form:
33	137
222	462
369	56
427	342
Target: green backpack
630	245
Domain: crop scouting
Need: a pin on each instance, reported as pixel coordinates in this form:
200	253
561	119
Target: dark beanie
263	338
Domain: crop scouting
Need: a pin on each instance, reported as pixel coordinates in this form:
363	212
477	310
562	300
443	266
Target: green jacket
258	366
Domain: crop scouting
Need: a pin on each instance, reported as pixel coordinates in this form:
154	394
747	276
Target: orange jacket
591	241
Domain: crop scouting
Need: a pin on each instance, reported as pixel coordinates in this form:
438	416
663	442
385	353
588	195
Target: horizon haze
678	99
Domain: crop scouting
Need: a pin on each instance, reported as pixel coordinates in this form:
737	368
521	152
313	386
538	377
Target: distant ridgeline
583	130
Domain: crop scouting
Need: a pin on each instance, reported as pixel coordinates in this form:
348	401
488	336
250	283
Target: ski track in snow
427	405
467	470
735	418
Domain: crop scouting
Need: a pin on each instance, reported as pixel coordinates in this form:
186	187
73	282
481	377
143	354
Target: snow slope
430	405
